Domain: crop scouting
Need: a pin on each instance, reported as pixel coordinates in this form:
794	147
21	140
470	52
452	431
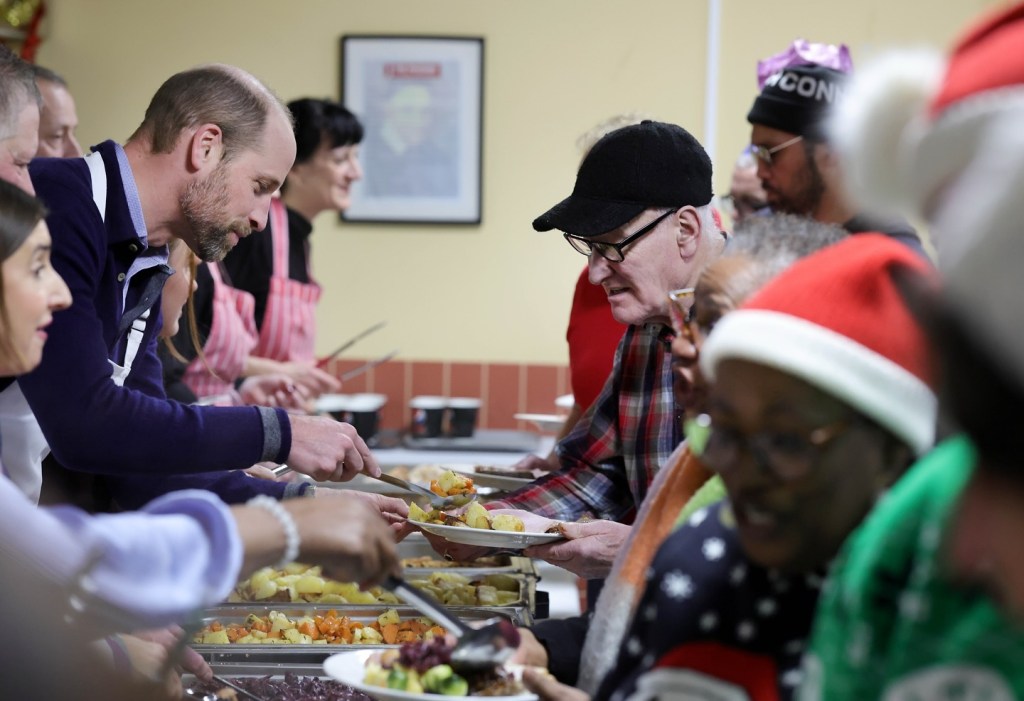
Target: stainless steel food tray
526	584
306	654
255	668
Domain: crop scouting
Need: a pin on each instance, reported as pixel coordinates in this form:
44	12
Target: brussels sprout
454	686
435	677
398	678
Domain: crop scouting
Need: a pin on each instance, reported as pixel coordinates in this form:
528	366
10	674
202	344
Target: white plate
486	479
506	540
545	422
349	668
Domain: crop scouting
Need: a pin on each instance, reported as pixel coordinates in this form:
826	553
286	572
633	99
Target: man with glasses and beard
798	167
213	147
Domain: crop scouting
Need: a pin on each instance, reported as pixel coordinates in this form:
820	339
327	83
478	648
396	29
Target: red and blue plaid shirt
612	455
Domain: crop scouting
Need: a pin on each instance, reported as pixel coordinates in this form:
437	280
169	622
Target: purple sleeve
150	569
232	487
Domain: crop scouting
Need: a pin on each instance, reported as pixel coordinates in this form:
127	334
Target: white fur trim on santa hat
877	123
867	381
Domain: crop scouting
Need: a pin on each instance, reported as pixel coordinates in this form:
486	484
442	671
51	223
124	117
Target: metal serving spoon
477	649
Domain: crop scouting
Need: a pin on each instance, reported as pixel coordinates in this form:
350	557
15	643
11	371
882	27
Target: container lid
366	402
427	402
332	402
464	403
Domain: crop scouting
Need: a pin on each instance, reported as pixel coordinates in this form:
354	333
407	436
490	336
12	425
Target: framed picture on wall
420	100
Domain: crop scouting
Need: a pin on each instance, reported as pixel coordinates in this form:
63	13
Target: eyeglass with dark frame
764	154
788	455
613	252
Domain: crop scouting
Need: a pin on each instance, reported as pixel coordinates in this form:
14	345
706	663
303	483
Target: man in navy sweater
214	145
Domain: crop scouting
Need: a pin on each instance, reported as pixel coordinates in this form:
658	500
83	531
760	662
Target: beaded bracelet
291	532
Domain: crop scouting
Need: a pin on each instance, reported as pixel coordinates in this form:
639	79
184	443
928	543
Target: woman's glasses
788	455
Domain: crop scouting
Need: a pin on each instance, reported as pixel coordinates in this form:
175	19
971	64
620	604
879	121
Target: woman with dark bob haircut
267	282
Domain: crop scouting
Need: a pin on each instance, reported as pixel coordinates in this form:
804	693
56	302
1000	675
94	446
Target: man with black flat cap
799	169
640	211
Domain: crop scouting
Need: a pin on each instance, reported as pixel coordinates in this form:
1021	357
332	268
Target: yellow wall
553	68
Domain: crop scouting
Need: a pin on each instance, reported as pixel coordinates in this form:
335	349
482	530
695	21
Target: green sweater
891	625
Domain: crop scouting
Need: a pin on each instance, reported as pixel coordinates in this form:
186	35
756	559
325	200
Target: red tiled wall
505	388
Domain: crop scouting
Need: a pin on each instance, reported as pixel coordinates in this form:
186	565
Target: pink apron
289	322
232	339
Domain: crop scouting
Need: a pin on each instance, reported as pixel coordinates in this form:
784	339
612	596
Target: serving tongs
436	500
477	649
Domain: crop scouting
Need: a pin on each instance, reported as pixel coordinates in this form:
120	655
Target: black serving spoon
477	649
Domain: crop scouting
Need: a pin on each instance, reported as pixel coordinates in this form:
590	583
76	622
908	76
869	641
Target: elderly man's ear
688	231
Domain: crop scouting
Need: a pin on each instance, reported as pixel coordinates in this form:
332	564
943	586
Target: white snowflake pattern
767	606
793	647
738	574
813	580
792	678
648	660
713	548
698	517
708	621
745	631
634	647
677	585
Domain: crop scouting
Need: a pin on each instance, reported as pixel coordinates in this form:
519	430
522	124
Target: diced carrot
216	625
390	633
436	489
437	630
406	636
416	626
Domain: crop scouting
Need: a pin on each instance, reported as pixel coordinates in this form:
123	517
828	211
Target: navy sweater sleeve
132	492
91	424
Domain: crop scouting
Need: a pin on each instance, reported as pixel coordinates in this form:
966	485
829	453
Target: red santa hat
836	320
942	136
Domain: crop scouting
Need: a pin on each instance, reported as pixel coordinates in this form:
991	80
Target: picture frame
420	100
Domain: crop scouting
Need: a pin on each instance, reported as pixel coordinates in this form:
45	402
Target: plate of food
421	673
506	478
507	529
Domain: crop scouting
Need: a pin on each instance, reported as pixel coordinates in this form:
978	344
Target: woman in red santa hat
820	399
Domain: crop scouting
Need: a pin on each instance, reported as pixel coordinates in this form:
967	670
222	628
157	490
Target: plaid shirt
612	455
